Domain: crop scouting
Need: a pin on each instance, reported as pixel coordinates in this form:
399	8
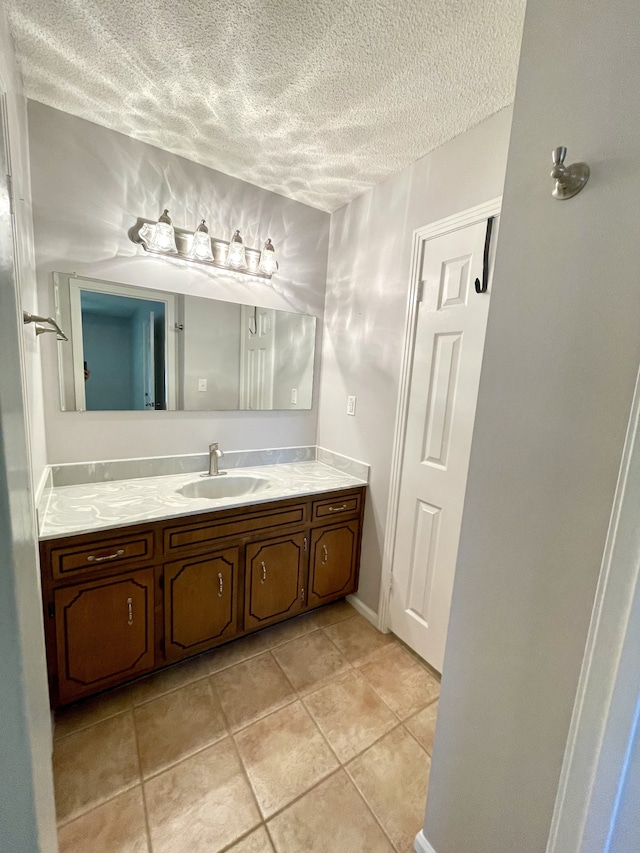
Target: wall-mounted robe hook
41	330
569	179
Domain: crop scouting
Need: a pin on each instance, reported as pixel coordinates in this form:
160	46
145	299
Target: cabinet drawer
72	559
350	503
181	536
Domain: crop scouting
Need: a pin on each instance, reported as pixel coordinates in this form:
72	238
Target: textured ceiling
316	100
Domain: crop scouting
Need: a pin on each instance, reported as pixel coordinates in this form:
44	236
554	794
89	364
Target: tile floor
313	736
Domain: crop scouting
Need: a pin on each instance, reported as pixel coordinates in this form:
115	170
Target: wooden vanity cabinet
333	572
104	633
275	579
200	602
122	603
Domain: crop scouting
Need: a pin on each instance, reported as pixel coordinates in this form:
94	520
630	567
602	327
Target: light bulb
163	238
236	257
201	244
268	263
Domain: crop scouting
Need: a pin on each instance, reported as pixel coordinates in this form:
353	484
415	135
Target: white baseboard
363	610
421	845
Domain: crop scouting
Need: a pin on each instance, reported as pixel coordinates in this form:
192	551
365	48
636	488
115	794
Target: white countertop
90	507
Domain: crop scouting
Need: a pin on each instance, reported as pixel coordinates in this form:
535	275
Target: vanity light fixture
237	256
201	244
161	238
268	263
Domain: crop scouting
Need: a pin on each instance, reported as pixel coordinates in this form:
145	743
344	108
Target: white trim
421	845
427	232
363	610
604	712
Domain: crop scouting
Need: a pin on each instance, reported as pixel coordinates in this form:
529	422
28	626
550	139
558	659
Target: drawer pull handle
220	585
130	608
305	544
325	554
92	559
337	508
264	572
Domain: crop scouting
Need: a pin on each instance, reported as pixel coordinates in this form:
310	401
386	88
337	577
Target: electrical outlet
294	396
202	384
351	405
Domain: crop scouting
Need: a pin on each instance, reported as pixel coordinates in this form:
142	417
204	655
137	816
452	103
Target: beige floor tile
310	661
392	776
332	613
284	756
403	684
177	725
357	639
423	726
171	678
350	714
202	804
93	765
90	711
257	842
251	690
331	817
289	630
237	651
118	826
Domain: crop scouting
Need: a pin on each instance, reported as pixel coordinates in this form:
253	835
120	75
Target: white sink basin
225	486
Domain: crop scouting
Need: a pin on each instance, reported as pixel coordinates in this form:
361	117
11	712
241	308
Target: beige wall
89	186
561	358
367	288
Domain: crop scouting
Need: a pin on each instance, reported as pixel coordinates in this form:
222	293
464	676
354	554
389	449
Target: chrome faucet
214	454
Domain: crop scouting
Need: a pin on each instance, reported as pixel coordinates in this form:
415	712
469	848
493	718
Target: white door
257	358
451	324
149	362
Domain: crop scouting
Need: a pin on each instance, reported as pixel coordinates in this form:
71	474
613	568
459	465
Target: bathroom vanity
122	601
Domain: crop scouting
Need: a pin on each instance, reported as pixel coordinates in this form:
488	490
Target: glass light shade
164	238
268	263
236	257
201	244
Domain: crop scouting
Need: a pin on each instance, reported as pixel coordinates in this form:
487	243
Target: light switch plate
294	396
351	405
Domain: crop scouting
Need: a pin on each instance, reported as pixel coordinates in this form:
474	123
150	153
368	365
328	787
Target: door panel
449	342
275	579
333	562
104	632
200	597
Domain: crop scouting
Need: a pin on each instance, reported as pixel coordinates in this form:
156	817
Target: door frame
467	217
606	713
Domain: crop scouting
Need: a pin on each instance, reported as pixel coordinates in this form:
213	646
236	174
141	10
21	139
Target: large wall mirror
133	348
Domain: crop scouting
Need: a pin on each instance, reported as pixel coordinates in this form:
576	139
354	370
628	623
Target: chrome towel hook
569	179
40	330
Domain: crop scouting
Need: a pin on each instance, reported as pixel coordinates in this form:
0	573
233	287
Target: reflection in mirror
134	348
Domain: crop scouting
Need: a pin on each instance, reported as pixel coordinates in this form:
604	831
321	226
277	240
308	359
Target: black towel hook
482	288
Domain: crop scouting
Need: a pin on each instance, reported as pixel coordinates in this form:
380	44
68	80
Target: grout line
142	789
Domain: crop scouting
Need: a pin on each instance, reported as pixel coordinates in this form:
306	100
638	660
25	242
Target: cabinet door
200	603
104	633
334	554
275	579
